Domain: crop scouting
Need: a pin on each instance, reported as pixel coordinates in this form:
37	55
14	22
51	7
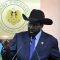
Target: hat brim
45	21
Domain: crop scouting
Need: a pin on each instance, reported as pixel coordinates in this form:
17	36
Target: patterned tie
32	46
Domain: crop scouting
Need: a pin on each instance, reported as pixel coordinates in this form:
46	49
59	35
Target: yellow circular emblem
11	19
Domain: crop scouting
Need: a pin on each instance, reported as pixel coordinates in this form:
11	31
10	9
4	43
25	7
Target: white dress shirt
37	38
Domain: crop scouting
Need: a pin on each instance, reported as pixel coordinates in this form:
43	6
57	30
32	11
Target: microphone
18	51
37	54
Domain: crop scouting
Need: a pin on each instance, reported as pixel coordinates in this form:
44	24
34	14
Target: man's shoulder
22	33
50	37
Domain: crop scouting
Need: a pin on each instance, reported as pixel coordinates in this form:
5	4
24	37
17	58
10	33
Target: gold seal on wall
11	19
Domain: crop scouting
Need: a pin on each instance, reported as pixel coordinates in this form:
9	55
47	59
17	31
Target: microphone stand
18	51
37	54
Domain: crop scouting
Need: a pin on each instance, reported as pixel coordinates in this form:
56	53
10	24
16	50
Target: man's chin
31	34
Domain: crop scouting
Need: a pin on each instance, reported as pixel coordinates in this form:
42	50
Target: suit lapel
41	41
26	44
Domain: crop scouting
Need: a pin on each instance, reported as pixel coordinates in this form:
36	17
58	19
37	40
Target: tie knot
33	38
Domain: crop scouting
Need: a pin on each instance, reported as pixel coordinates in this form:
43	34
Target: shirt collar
38	35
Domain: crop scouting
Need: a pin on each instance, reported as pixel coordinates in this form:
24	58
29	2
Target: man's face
34	28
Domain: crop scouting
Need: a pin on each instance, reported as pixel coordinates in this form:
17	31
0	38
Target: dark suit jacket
19	47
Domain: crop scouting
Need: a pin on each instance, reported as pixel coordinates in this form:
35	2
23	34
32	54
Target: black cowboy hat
37	16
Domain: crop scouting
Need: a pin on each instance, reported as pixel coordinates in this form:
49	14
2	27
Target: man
4	50
34	44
